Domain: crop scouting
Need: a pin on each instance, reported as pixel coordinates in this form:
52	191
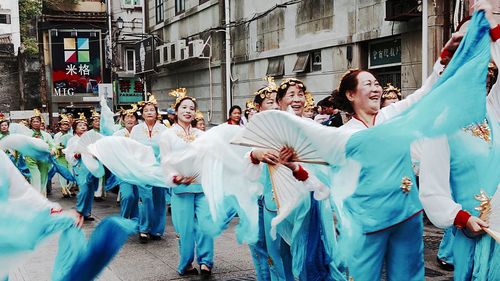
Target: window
4	18
316	61
180	6
308	62
129	57
301	63
131	3
276	67
159	10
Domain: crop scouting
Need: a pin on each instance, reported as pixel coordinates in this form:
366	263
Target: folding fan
92	164
269	131
129	160
177	156
490	212
26	145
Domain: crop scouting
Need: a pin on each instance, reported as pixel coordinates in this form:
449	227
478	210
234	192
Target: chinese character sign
76	62
130	91
385	53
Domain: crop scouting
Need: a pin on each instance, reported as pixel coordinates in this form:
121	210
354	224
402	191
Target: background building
10	36
73	53
314	40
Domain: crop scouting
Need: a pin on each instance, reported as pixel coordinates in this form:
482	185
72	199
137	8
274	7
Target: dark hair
186	98
4	121
348	83
195	122
326	102
233	108
259	98
287	84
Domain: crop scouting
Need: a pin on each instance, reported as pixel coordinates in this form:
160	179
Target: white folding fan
490	212
274	130
93	165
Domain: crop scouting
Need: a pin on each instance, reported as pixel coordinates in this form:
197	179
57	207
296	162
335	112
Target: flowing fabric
26	145
61	170
129	160
108	126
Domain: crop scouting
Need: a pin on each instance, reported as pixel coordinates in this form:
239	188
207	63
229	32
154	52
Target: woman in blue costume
152	205
129	194
85	180
288	254
39	169
190	213
380	211
265	99
453	172
15	156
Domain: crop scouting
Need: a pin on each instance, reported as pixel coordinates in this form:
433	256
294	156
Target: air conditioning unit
169	53
159	58
165	49
176	50
195	48
184	50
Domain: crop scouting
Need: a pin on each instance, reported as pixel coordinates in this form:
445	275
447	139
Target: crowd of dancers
313	202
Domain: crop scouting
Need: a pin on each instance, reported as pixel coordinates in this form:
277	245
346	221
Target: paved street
158	259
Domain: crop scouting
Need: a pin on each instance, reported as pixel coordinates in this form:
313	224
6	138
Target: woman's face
130	121
64	127
295	98
251	113
81	128
200	124
235	116
36	123
4	127
149	113
366	97
308	113
96	123
269	103
186	110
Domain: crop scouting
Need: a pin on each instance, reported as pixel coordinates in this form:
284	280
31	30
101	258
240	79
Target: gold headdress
292	82
309	100
2	117
131	111
199	115
179	94
95	114
151	100
81	118
36	114
391	92
250	105
266	91
64	119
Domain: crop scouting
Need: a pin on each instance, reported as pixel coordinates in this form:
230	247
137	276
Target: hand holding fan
490	213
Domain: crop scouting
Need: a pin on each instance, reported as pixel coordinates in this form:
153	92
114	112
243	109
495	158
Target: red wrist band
301	174
461	219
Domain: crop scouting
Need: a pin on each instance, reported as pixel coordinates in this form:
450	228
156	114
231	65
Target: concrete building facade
9	26
316	41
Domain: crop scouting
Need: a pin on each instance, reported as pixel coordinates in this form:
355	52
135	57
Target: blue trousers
401	247
445	251
259	250
87	184
193	223
280	263
129	201
152	210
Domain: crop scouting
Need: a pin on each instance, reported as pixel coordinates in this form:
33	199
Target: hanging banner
144	55
130	90
76	61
